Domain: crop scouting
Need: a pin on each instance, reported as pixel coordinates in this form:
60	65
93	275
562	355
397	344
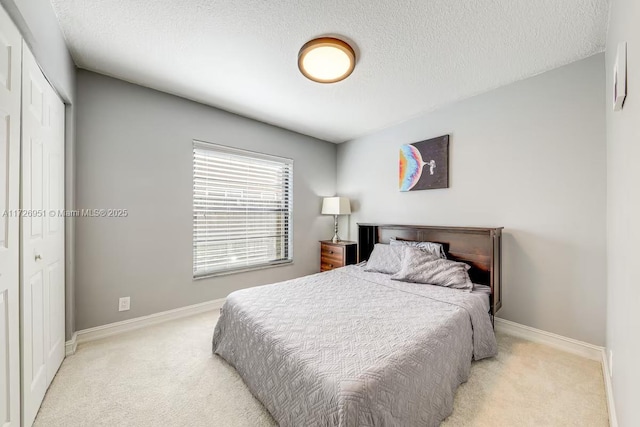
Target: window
242	210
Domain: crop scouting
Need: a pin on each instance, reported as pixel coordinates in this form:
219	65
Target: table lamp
336	206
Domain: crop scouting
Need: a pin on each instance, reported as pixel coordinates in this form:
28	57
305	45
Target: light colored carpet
165	375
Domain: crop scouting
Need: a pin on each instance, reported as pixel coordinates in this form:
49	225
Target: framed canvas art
424	165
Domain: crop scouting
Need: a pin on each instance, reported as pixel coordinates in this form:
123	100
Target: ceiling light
326	60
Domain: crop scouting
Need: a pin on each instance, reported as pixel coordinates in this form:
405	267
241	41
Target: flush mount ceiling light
326	60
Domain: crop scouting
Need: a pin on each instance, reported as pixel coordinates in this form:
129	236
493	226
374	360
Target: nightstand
335	255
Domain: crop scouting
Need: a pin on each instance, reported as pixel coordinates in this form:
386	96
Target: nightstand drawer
332	259
336	255
331	251
336	262
329	265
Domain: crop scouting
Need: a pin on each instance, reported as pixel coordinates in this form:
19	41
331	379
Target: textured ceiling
413	55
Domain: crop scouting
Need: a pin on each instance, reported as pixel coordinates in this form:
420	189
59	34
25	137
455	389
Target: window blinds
242	209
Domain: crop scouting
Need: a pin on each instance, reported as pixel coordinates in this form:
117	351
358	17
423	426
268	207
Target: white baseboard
608	388
569	345
71	345
110	329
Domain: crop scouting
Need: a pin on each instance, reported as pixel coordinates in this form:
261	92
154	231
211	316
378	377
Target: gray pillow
432	248
385	259
420	267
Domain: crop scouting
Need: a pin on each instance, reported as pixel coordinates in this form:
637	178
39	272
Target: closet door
42	236
10	60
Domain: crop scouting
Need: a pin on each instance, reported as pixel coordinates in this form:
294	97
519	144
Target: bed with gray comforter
354	348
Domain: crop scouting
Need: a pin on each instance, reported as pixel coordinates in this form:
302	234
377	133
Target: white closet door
42	236
10	60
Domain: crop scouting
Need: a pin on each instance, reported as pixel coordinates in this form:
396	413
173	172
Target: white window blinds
242	209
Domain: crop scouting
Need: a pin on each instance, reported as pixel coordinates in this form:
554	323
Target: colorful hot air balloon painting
411	165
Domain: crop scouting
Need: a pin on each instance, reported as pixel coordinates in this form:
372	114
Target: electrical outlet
124	304
611	363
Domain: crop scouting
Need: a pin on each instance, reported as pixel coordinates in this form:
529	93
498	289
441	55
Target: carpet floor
166	375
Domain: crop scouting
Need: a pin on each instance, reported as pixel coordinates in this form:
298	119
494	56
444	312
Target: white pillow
420	267
385	259
435	249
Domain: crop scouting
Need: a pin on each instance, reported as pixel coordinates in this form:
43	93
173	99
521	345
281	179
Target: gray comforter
351	348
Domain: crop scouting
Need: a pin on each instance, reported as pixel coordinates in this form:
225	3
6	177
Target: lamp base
336	238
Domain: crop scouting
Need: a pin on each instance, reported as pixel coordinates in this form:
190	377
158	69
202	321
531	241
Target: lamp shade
336	206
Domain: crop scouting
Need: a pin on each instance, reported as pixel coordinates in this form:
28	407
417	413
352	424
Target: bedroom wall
135	152
38	24
529	157
623	152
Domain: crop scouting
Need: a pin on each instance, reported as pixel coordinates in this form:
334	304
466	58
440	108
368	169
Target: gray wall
529	157
40	29
623	153
134	151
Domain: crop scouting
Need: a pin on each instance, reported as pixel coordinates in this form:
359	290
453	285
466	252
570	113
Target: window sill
243	270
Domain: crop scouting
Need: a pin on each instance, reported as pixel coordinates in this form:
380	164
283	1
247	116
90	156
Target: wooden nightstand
335	255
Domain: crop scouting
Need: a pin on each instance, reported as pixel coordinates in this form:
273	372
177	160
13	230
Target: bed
354	348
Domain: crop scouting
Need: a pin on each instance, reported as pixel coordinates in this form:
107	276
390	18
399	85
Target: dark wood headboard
481	248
